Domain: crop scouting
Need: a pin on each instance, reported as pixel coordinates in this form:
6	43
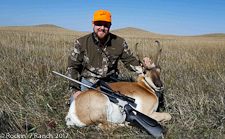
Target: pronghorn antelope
92	107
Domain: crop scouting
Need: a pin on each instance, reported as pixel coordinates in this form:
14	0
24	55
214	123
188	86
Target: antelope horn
137	54
137	51
139	59
158	55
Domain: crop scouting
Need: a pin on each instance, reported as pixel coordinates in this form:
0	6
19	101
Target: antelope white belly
114	114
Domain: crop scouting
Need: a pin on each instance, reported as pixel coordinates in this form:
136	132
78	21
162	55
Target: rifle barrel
73	80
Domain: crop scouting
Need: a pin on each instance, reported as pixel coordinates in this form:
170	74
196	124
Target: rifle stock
142	121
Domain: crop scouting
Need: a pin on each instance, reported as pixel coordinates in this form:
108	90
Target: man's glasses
105	24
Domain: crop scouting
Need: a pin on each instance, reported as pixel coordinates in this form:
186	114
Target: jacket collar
96	40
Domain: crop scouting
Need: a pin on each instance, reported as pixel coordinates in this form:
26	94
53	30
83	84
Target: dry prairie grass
33	100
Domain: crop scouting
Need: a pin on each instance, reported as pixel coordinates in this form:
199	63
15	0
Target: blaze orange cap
102	15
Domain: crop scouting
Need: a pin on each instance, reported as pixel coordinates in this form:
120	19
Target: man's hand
148	62
76	94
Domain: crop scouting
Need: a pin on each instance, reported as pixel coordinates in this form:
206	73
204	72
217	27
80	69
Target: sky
173	17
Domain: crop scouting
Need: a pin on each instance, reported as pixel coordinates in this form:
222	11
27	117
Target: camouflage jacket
93	61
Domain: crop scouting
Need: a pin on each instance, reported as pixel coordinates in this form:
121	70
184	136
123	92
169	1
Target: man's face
101	28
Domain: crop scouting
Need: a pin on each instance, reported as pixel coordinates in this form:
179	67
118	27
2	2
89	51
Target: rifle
127	103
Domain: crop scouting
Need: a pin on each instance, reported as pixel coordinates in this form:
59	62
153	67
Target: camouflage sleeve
127	57
75	64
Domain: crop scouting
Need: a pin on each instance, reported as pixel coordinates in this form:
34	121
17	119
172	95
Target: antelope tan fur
92	107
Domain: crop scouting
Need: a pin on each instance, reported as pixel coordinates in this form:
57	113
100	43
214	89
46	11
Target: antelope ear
137	69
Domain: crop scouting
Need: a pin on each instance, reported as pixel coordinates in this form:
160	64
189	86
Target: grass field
34	101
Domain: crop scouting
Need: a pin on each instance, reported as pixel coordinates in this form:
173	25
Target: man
96	55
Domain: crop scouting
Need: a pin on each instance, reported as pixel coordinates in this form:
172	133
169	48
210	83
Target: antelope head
151	75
